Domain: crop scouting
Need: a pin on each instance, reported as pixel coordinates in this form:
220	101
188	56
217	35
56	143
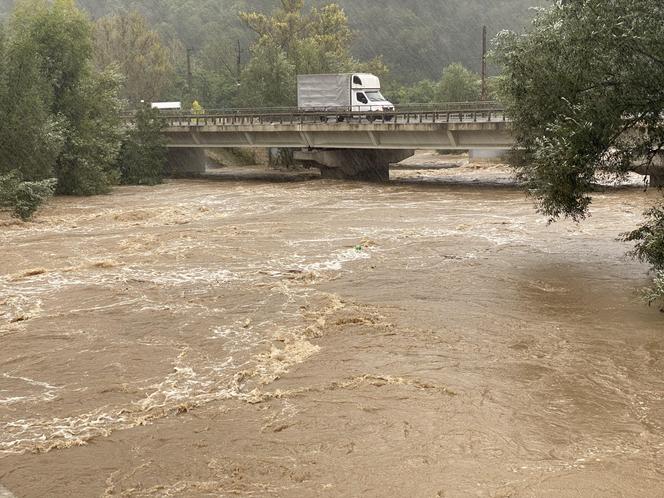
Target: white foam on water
336	261
5	493
48	391
236	339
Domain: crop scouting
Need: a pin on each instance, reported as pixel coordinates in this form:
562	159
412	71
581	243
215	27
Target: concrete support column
481	155
657	179
186	162
370	165
655	170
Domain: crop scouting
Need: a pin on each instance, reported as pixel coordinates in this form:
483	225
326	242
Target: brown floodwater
327	339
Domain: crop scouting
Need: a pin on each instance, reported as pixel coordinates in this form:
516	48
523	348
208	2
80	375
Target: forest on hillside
416	38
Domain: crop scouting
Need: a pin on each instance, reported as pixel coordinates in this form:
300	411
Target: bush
649	239
24	198
656	292
143	154
649	249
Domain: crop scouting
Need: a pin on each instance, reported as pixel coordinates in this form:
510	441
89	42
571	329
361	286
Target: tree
88	162
584	100
649	248
30	138
85	103
458	84
292	42
585	90
21	198
143	155
269	78
126	41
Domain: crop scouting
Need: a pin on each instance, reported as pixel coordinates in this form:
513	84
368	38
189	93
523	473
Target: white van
354	92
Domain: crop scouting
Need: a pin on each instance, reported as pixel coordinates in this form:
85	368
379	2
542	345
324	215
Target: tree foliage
289	42
416	37
23	198
126	41
83	103
143	155
458	84
649	239
585	88
649	248
30	138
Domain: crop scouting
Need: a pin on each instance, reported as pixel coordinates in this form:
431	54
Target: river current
327	339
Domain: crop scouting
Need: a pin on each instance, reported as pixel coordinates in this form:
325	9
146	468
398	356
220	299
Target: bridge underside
389	136
353	164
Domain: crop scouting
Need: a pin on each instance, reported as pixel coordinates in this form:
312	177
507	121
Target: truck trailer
351	92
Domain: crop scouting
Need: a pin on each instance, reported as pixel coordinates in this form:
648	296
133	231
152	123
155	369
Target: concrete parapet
353	164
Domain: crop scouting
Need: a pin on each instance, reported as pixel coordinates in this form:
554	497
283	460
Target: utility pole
189	73
484	88
239	60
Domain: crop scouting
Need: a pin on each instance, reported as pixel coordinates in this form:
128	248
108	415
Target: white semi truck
352	93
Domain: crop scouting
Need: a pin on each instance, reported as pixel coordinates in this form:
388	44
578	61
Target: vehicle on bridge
350	92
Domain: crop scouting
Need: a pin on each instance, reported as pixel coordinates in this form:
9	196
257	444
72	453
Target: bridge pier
185	161
655	171
372	165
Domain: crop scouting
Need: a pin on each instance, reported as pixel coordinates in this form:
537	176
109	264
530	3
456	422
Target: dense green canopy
417	38
585	88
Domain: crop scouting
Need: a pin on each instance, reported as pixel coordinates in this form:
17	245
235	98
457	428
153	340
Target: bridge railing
460	112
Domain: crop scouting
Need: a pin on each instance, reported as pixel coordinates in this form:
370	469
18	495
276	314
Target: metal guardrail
464	112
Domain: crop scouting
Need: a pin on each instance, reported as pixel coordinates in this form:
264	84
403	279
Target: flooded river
327	339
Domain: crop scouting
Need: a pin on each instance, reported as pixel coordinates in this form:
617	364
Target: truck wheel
340	119
371	119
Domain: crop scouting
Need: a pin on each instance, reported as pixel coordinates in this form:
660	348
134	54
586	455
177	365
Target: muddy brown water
327	339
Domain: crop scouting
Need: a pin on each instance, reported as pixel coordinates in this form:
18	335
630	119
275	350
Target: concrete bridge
347	144
341	143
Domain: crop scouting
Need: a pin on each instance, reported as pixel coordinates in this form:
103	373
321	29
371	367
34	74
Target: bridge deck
479	126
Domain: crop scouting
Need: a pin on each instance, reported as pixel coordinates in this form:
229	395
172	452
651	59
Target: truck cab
366	95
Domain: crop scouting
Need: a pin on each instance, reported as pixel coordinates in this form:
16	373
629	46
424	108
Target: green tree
585	90
88	162
292	42
269	78
126	41
649	248
22	198
584	100
143	155
30	138
423	92
458	84
84	102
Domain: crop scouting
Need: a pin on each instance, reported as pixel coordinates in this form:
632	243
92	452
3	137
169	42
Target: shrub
649	248
24	198
143	154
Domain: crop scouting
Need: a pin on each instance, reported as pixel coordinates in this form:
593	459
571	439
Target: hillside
417	38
